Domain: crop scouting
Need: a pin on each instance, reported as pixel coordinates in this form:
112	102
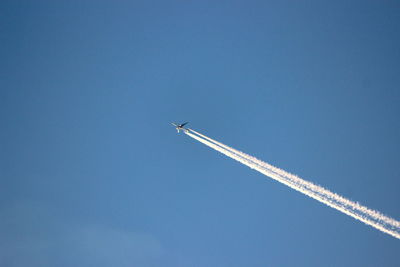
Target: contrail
353	209
318	189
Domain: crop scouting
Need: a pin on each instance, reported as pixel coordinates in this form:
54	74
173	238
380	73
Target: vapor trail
316	188
355	210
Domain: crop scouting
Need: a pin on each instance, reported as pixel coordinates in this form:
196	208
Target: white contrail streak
318	189
353	209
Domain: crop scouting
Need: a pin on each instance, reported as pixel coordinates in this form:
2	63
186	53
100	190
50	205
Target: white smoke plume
353	209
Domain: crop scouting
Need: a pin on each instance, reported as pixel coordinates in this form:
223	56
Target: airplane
180	126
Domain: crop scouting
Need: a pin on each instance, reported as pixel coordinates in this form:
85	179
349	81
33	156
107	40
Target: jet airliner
180	126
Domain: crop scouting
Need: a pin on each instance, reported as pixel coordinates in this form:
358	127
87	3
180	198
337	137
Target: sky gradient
93	174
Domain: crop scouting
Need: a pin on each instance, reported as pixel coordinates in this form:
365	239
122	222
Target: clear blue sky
93	174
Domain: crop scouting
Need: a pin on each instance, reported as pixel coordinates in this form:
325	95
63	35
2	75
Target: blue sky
93	174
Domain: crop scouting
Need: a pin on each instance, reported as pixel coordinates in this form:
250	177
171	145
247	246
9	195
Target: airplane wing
183	124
